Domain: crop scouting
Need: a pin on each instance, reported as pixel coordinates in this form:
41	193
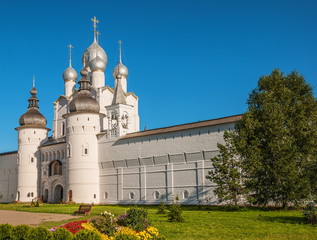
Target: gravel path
17	217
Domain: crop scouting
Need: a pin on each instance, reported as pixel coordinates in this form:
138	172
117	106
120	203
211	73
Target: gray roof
119	95
53	141
182	127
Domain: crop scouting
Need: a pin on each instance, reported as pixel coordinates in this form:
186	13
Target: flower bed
131	226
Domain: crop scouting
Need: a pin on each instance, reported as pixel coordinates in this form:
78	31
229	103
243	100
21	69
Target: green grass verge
204	222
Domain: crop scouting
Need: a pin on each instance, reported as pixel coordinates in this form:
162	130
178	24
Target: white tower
82	125
70	76
31	133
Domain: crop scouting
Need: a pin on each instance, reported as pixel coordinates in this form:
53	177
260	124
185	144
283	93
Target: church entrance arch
58	193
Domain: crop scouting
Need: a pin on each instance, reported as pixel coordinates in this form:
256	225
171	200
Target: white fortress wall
8	176
149	169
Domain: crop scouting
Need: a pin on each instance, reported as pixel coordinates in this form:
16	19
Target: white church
97	153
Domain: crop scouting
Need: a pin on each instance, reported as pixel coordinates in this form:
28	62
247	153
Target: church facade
97	152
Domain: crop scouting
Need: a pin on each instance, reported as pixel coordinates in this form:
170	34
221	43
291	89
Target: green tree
277	140
226	172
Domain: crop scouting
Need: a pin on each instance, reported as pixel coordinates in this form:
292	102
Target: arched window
185	194
156	195
131	195
55	168
106	195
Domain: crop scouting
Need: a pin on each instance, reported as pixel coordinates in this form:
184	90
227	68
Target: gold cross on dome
95	21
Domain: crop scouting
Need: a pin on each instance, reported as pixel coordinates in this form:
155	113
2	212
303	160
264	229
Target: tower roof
33	117
119	95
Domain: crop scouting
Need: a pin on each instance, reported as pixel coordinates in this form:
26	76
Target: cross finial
120	51
33	83
70	54
97	35
95	21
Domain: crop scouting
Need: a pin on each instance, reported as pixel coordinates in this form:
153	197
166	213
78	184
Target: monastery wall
149	169
8	177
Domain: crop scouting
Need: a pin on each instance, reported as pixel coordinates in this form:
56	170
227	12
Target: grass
205	222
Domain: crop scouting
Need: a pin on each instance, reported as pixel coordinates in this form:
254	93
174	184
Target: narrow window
32	159
86	151
131	195
185	194
106	195
156	195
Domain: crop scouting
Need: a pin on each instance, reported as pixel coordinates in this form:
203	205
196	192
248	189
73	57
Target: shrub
175	212
161	208
40	233
310	213
62	234
87	234
105	224
5	231
136	219
21	232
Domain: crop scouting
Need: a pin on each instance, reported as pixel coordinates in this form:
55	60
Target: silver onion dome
70	74
97	64
33	117
92	52
120	69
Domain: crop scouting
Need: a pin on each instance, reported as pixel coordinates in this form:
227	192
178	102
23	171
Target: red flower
74	227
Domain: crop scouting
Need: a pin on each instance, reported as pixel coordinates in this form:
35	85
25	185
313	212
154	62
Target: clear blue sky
189	60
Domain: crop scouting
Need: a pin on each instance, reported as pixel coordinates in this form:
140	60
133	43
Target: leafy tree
277	140
226	171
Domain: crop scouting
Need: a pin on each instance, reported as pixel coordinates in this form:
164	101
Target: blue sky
188	60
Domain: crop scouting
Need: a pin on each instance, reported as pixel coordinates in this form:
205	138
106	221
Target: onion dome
33	117
97	64
84	102
92	52
121	70
70	74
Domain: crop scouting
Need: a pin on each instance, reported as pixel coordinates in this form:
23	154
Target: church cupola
121	70
84	102
95	60
33	117
70	76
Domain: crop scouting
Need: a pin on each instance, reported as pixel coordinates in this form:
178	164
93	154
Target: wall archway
58	193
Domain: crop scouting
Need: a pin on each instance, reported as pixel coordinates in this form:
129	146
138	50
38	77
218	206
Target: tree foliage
226	172
277	139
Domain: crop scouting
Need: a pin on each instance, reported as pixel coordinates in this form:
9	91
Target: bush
310	213
175	212
40	233
105	224
86	234
161	208
5	231
21	232
136	219
62	234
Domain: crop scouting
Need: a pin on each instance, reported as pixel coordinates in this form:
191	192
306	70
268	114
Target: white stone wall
8	177
149	169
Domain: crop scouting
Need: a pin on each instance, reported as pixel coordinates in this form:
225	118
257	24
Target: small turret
70	76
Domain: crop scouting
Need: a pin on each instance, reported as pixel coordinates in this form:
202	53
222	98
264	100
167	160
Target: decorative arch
55	168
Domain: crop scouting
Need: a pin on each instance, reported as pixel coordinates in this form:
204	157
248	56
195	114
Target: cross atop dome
95	21
70	54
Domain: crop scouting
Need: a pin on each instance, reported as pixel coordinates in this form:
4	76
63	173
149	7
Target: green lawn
207	222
